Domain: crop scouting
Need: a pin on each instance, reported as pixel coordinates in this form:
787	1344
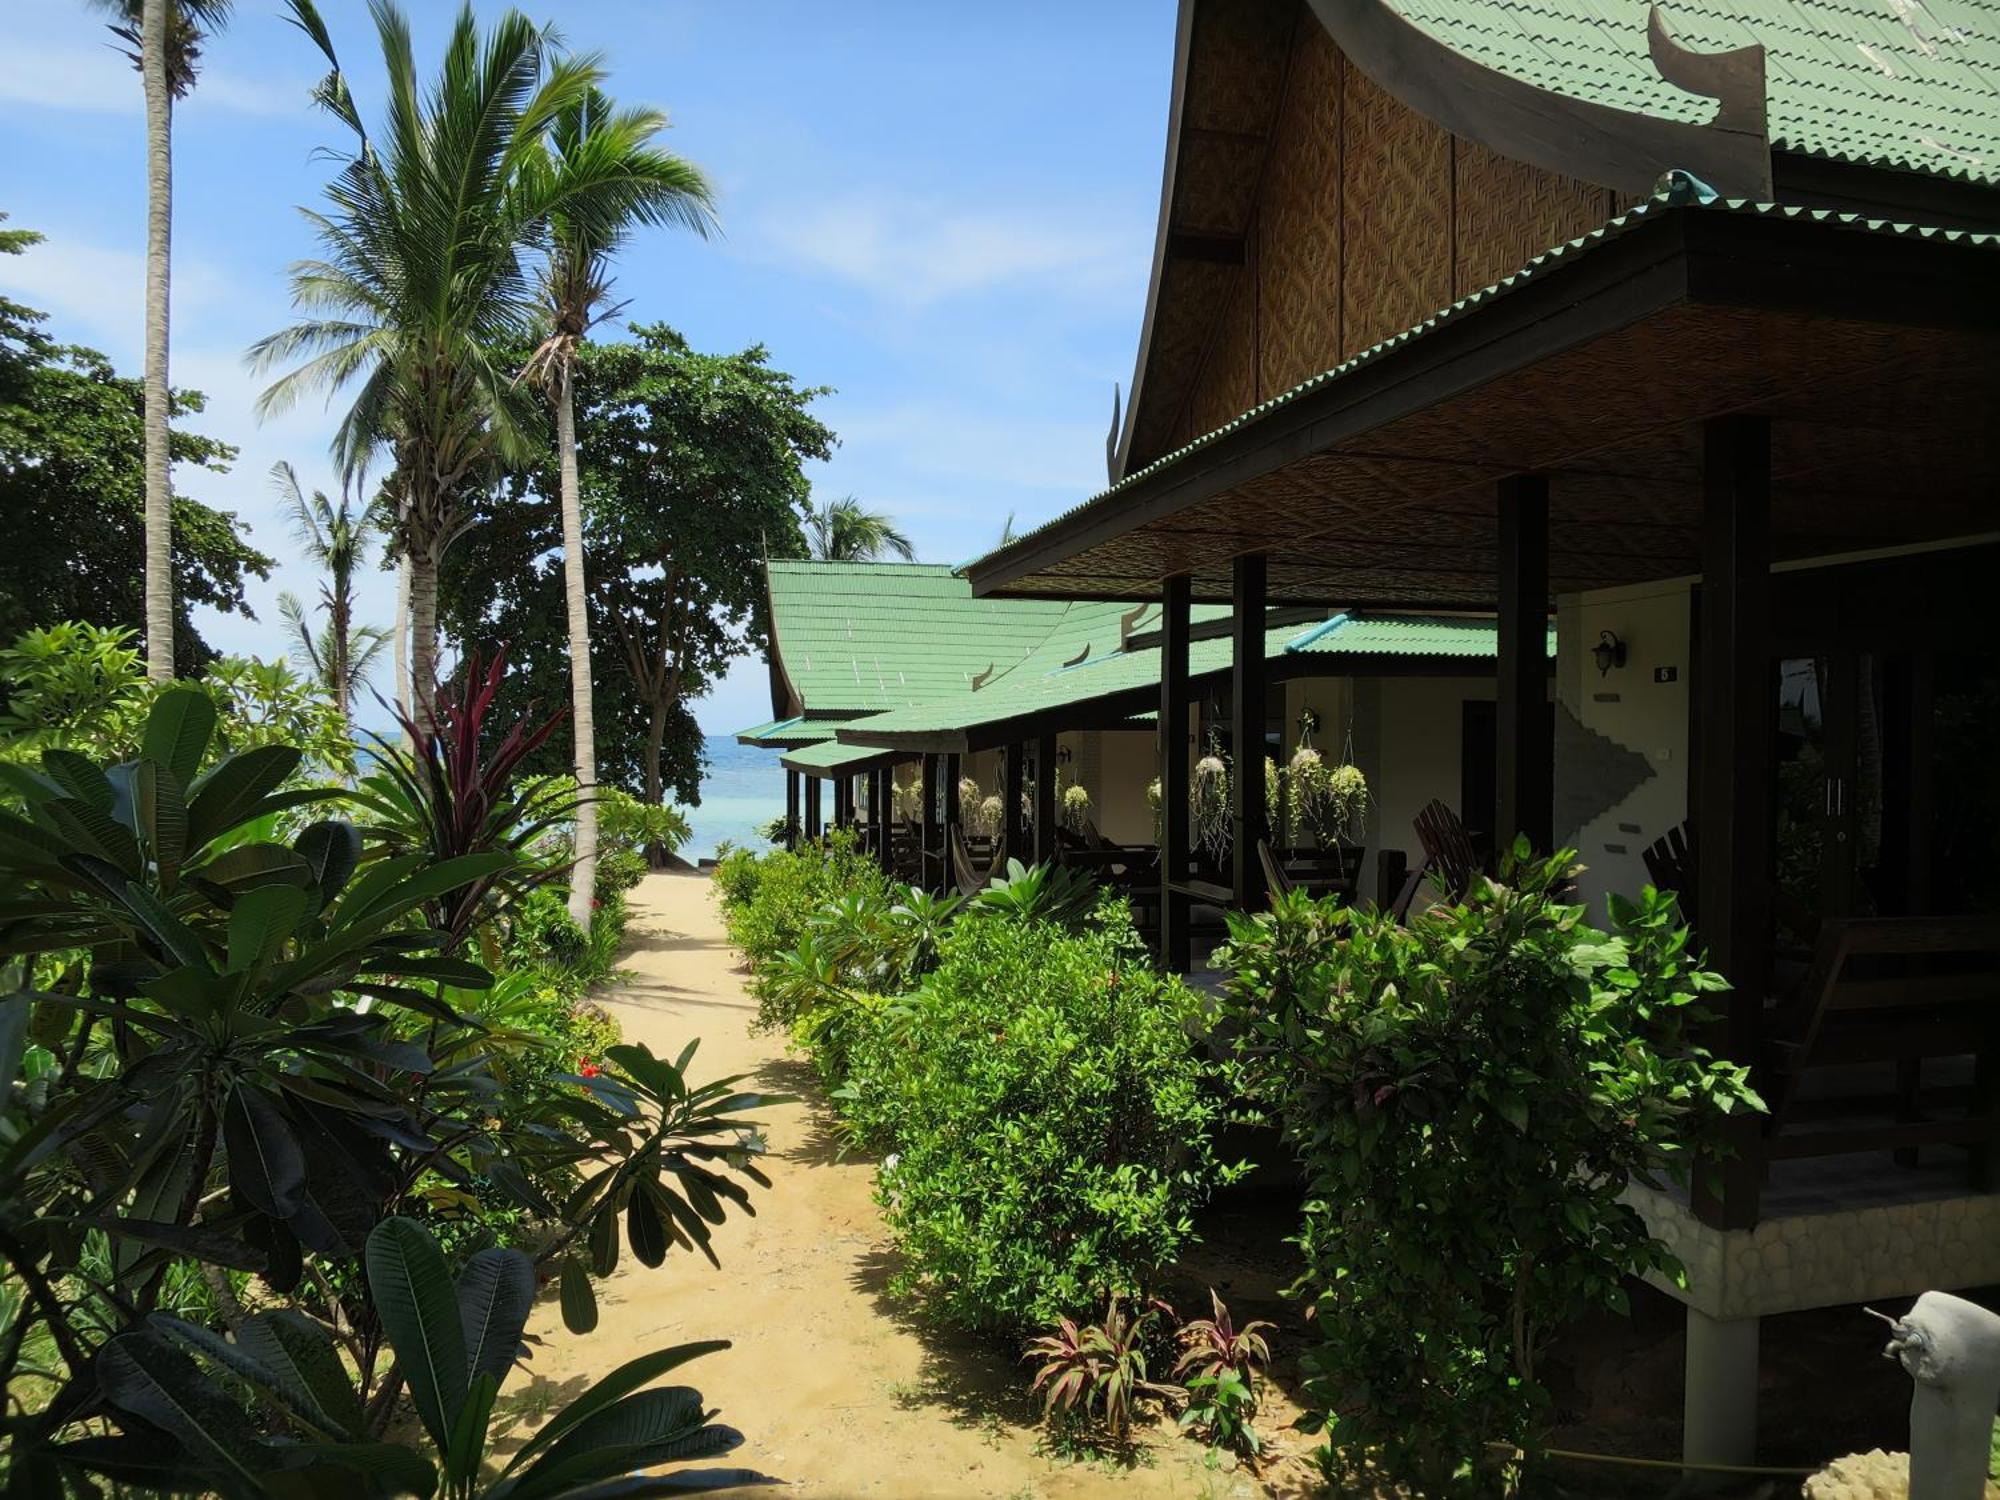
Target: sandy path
834	1388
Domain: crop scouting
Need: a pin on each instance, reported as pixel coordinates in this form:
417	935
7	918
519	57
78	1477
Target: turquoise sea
743	789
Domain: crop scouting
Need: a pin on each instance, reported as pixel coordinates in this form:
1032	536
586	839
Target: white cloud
949	443
101	80
916	251
97	293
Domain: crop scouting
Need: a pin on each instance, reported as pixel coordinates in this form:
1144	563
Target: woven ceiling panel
1505	213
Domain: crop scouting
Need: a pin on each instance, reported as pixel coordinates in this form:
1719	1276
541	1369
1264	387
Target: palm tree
602	166
841	531
420	288
165	37
339	653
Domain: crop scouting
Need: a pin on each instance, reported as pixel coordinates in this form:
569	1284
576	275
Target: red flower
596	905
587	1068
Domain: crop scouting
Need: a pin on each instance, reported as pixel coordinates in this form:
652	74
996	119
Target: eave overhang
1872	347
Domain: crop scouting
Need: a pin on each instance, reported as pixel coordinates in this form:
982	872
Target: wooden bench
1905	990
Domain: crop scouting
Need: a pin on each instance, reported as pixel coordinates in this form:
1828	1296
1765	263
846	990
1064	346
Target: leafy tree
844	530
73	493
601	164
168	35
420	290
336	538
693	472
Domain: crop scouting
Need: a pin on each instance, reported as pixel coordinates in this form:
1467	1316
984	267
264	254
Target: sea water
742	789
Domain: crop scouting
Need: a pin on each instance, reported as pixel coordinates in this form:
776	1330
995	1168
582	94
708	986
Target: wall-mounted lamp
1064	755
1609	652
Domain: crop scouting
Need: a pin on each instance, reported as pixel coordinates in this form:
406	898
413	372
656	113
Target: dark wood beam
1211	249
927	829
951	808
1176	949
791	809
881	797
813	828
1249	818
1737	719
1013	823
1523	729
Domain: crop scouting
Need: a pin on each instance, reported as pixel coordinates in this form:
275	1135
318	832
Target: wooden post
1176	949
1013	826
1045	800
1738	725
927	827
1523	731
843	801
951	810
791	809
881	805
1249	818
812	807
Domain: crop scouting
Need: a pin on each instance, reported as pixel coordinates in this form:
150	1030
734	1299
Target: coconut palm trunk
403	632
583	874
159	238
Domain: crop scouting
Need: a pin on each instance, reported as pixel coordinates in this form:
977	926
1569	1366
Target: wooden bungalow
1679	323
894	686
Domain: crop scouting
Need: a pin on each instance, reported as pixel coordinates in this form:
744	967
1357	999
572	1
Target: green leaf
79	777
651	1427
162	816
266	1164
300	1353
496	1292
604	1241
402	1471
332	851
230	792
468	1434
248	866
274	1387
141	1373
620	1383
644	1228
260	922
579	1298
418	1306
178	731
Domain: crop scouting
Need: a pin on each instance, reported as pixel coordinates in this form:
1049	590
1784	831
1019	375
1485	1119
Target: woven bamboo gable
1361	219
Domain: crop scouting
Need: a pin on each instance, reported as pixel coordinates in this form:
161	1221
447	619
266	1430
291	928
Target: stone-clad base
1826	1257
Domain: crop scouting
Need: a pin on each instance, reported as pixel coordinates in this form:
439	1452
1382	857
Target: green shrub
642	828
790	888
1049	1124
736	873
1469	1097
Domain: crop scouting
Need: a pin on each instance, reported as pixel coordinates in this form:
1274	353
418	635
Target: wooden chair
1449	857
1670	866
1890	989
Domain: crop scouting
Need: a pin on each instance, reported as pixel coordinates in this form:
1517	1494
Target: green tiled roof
1400	635
1052	677
1913	84
864	637
1681	196
781	733
829	759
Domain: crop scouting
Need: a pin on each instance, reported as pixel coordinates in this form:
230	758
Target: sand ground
837	1390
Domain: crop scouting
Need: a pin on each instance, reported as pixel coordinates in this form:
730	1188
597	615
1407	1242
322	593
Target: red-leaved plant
457	795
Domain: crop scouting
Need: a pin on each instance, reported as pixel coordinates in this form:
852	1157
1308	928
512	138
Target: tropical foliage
845	530
73	492
336	537
1469	1097
692	472
240	1036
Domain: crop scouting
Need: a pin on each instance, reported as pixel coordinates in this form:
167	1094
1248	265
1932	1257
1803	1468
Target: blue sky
943	211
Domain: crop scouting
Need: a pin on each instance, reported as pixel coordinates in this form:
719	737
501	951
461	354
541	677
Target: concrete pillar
1719	1396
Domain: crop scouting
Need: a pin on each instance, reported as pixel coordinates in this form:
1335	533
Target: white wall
1630	707
1419	731
1121	763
